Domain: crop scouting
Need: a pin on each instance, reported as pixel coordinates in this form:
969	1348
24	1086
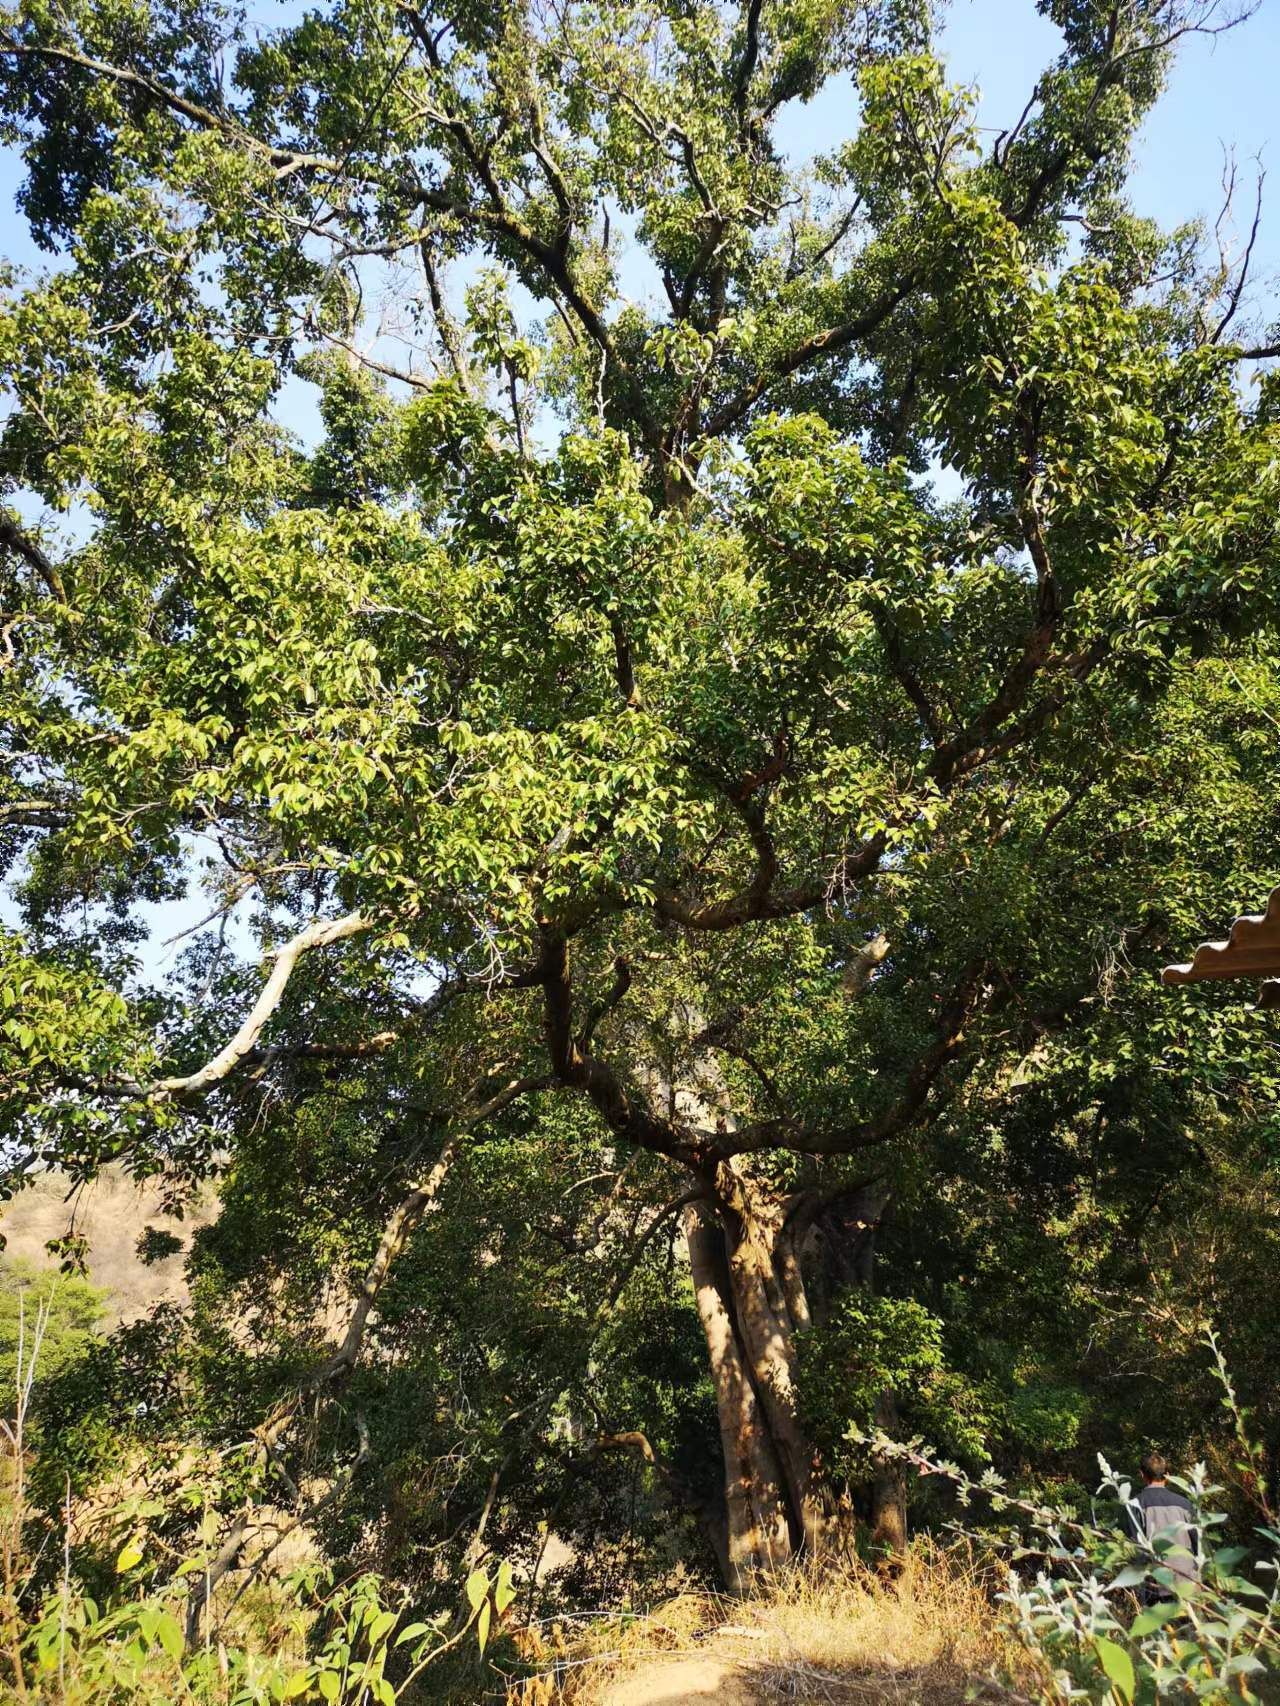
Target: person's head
1154	1468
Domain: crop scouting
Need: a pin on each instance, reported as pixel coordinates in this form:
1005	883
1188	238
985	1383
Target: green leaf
169	1634
482	1626
1154	1617
410	1632
329	1684
504	1591
382	1623
297	1684
128	1557
1118	1666
1131	1576
477	1588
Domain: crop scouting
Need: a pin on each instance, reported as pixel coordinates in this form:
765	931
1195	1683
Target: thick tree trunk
757	1530
770	1306
751	1301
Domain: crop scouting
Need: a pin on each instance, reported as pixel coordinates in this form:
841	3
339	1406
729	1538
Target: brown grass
930	1636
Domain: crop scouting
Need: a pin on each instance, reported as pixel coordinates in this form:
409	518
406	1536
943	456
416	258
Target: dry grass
581	1660
930	1636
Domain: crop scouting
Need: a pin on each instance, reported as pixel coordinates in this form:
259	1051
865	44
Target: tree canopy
717	737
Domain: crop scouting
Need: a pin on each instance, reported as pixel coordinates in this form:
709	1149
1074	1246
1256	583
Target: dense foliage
688	775
63	1308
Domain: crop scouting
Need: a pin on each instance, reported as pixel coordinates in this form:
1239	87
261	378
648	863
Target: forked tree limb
916	1087
573	1066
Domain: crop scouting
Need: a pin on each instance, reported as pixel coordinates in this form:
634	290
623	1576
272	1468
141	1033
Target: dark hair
1154	1467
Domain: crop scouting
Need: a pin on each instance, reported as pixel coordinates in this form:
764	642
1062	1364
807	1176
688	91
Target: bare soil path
682	1681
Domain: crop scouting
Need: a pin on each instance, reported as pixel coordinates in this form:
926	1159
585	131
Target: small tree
613	705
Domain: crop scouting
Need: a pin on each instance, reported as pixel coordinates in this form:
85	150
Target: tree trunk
888	1494
751	1301
757	1530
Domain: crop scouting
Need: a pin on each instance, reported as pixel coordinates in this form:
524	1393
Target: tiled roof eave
1252	949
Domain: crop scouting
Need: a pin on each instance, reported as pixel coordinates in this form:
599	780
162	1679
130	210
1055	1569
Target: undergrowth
1044	1611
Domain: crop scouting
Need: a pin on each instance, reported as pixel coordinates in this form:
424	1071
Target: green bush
71	1309
872	1346
1070	1594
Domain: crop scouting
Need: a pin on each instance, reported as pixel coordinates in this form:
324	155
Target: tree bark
745	1258
770	1307
751	1301
888	1495
757	1530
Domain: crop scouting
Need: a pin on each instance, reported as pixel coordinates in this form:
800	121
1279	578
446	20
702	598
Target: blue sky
1222	97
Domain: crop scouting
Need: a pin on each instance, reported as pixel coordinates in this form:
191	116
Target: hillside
114	1214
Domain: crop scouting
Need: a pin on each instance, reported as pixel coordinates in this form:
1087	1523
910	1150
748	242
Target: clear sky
1222	97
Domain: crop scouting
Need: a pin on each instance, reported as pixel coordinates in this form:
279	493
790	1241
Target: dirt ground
677	1680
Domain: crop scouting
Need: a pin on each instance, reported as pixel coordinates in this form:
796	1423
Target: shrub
69	1306
1077	1618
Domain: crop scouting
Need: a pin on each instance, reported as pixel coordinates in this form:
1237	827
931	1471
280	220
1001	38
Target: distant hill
115	1214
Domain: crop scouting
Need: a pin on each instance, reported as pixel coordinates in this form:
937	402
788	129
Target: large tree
735	675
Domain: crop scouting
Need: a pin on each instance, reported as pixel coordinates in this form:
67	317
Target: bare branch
418	381
44	814
318	935
797	269
617	993
1242	272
